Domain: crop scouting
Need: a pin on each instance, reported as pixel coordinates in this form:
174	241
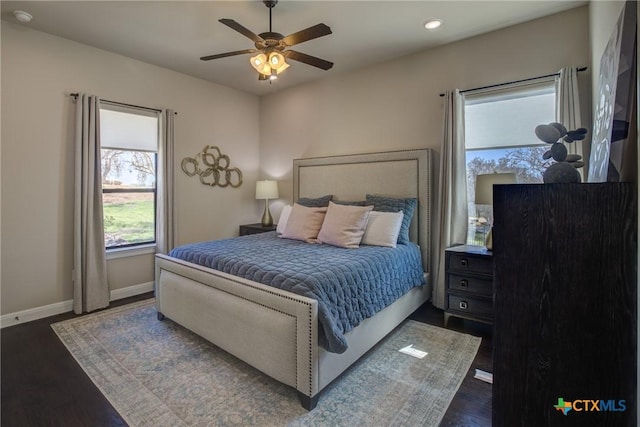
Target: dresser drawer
475	264
472	307
475	285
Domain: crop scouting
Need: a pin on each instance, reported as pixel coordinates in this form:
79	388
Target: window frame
145	247
546	84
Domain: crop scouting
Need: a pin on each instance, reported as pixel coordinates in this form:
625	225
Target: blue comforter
350	285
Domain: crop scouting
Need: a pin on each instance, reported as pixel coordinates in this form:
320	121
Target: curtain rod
75	95
515	81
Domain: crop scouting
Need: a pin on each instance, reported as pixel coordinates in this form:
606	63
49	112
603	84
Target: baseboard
66	306
130	291
35	313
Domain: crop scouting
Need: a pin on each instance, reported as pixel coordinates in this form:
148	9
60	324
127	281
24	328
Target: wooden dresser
565	319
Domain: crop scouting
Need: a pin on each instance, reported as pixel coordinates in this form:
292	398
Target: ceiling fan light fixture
269	66
276	59
277	62
260	63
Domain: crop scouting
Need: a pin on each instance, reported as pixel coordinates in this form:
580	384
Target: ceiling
175	34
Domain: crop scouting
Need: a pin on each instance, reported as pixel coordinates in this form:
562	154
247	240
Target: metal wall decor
216	171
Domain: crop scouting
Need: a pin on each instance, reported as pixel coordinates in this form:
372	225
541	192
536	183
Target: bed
278	331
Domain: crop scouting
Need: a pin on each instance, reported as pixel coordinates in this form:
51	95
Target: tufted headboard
352	177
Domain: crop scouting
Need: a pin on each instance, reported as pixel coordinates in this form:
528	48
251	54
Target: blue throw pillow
390	204
318	202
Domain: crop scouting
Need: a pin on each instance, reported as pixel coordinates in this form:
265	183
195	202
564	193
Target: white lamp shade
485	183
271	65
267	189
259	62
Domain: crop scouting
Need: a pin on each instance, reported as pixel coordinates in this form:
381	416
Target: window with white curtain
129	154
499	137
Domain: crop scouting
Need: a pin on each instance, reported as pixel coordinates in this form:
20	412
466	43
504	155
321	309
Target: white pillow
383	229
284	217
304	223
344	225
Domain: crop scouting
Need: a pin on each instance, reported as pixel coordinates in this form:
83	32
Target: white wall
395	105
39	71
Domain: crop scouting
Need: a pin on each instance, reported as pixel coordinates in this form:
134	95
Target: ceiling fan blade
242	30
224	55
310	33
308	59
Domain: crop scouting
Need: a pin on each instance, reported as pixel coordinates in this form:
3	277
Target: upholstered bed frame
277	331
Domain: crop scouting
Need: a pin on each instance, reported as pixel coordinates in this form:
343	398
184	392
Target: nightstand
246	229
469	283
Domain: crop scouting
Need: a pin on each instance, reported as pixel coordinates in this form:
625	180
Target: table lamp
267	189
484	194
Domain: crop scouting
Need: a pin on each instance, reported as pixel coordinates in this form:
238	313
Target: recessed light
22	16
433	24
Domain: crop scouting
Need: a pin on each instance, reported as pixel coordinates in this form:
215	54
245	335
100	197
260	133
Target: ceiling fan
271	47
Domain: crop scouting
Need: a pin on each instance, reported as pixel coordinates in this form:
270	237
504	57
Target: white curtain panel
452	216
165	214
568	104
90	286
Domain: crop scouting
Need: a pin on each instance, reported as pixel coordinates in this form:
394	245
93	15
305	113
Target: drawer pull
464	283
463	305
464	262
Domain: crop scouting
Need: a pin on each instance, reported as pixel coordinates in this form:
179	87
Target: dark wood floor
42	385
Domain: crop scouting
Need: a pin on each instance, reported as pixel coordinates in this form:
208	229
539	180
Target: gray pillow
318	202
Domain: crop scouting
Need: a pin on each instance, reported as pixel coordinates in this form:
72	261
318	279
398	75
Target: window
129	154
499	137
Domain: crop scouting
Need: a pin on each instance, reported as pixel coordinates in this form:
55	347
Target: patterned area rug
159	374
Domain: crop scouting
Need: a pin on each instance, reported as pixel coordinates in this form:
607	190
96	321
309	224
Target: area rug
156	373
